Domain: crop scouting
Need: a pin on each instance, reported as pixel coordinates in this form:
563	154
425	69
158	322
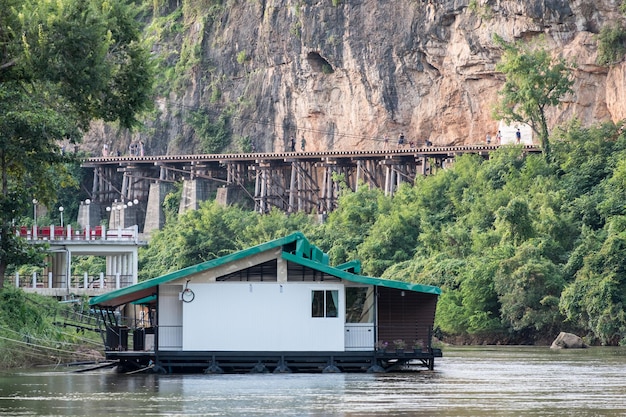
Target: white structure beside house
119	247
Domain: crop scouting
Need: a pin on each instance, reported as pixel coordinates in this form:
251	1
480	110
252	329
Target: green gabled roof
304	253
148	288
360	279
355	265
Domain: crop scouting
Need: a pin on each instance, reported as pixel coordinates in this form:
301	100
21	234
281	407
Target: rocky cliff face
344	74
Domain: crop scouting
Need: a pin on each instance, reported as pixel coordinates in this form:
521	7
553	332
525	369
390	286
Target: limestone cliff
346	73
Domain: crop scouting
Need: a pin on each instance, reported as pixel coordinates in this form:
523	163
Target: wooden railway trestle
289	181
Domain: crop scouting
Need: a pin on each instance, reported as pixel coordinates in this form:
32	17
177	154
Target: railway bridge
130	189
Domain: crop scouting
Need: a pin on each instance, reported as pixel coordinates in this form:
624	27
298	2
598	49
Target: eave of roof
146	300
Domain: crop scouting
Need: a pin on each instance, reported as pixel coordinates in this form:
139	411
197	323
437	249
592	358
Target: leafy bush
242	57
212	129
611	45
28	334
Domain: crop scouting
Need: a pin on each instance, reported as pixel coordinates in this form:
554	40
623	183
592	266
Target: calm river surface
476	381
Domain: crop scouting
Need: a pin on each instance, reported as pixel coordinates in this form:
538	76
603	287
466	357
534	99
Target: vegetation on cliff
522	246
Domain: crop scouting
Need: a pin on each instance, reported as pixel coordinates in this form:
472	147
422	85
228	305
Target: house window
324	303
360	305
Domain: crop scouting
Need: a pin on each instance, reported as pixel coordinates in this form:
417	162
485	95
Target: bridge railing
52	233
76	282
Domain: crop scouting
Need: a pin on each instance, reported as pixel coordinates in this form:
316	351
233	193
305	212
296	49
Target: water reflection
467	382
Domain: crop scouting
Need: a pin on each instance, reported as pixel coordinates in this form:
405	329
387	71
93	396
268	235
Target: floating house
275	307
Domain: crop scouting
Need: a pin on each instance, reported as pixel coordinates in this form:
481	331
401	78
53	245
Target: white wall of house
258	316
170	318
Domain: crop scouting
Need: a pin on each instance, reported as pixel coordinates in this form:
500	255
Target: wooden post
329	187
387	180
94	184
293	190
358	175
257	190
302	193
263	196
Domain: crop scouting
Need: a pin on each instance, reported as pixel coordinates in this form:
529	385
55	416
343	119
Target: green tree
393	237
193	237
596	300
349	225
534	81
517	242
529	286
472	306
62	65
586	157
515	221
273	225
213	130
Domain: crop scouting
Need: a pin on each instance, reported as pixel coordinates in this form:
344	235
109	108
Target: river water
469	381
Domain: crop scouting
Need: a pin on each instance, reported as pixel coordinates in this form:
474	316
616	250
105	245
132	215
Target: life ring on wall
187	295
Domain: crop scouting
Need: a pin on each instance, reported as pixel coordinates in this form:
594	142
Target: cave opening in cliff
319	64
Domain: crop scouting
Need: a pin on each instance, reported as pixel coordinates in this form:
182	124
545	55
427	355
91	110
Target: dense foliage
29	336
62	64
522	246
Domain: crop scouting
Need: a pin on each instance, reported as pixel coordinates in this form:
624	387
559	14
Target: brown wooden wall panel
409	317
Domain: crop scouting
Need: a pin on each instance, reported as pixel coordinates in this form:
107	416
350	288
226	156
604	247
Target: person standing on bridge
401	140
518	137
302	143
292	144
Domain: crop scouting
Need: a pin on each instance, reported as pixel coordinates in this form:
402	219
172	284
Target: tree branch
8	64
